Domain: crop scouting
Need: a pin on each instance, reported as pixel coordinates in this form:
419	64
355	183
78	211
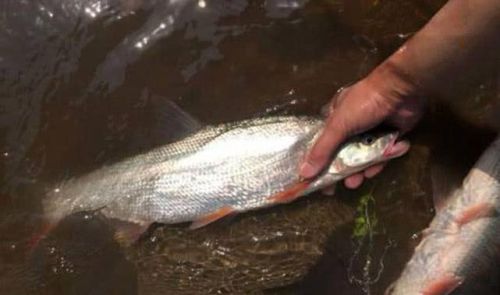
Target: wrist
393	83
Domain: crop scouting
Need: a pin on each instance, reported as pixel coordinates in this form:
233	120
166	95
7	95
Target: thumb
334	133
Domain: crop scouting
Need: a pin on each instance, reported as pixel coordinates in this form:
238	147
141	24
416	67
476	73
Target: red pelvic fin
126	233
474	212
211	217
442	285
291	193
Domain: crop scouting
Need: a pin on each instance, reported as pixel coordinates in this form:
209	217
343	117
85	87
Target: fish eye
367	140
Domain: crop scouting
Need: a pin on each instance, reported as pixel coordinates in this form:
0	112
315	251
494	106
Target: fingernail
353	181
307	170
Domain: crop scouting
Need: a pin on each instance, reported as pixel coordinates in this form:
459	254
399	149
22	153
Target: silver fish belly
463	239
238	165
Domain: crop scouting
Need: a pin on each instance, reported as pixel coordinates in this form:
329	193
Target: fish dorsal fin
173	123
442	285
444	183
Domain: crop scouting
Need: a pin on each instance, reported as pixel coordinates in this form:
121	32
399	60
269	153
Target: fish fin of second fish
444	181
473	212
173	122
128	232
211	217
291	193
443	285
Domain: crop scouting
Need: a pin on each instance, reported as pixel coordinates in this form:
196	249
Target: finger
331	137
354	181
329	191
403	123
373	170
407	117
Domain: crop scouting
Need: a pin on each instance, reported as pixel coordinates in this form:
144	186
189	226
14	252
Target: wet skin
459	40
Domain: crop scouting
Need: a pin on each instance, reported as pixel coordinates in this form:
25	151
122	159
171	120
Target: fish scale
192	177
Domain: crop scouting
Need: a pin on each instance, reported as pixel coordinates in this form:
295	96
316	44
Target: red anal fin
474	212
37	237
211	217
442	285
291	193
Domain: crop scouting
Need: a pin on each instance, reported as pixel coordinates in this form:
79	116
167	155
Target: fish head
366	150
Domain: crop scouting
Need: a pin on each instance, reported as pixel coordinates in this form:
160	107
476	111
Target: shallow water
82	84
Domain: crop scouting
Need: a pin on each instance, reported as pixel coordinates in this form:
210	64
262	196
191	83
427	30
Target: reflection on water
80	85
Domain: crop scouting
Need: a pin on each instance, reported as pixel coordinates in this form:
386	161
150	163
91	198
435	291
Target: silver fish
463	238
214	172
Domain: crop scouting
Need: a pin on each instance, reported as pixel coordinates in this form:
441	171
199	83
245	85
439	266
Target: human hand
381	97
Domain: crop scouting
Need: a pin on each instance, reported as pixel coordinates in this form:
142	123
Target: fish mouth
396	148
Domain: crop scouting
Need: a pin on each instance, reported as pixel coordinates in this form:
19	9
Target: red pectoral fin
291	193
475	212
211	217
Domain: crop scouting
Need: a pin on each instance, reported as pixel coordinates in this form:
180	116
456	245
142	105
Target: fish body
463	239
218	170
